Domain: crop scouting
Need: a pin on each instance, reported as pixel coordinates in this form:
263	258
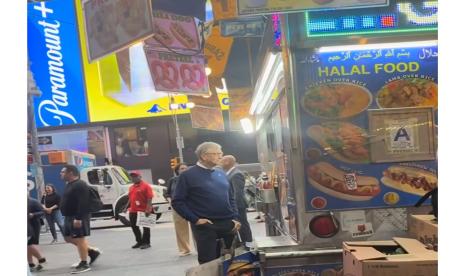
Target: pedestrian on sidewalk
140	200
51	203
34	213
237	180
181	226
77	217
204	197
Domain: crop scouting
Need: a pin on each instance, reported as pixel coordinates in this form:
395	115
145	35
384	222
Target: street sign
45	140
244	27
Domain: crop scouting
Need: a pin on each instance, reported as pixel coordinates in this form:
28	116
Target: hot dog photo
174	31
409	179
183	36
331	180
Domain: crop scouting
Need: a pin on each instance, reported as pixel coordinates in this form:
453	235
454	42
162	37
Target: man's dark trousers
245	232
206	236
141	239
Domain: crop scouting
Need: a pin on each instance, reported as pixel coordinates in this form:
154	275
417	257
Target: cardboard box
373	258
425	229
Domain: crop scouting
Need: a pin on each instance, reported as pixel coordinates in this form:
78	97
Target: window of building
131	141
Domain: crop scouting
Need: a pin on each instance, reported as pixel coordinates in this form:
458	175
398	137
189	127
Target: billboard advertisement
338	92
112	97
55	62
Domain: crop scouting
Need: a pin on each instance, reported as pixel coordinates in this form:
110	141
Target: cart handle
307	253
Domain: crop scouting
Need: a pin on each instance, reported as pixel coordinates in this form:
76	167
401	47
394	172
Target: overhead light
208	71
247	125
267	82
225	87
412	44
174	106
260	123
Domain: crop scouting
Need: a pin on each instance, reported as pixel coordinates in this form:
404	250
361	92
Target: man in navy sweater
205	198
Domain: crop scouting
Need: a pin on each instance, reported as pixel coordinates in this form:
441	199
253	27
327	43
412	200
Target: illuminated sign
276	30
55	57
400	16
110	98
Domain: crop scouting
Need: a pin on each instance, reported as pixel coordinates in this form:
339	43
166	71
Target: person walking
181	226
76	225
205	198
140	200
237	180
51	205
34	213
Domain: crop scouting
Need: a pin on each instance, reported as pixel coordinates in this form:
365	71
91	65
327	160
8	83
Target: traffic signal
173	162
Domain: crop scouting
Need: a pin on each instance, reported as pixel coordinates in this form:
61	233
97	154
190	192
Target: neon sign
400	16
276	30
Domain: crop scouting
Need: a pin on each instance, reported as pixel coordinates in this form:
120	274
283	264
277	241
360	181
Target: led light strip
387	21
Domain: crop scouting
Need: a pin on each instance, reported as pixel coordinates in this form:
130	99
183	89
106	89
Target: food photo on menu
174	31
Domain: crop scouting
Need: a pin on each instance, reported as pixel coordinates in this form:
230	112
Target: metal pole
39	177
179	139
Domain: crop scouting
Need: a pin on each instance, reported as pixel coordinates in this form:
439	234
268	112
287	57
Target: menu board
336	90
177	73
174	31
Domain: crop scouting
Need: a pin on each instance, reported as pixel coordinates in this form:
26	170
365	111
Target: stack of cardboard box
398	257
425	229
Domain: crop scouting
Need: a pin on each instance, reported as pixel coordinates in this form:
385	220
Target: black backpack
95	203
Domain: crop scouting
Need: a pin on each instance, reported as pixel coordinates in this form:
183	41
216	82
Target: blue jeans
55	217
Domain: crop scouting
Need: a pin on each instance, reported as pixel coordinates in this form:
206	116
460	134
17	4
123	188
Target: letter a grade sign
403	135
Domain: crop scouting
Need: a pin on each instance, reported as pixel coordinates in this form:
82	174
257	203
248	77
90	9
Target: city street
118	258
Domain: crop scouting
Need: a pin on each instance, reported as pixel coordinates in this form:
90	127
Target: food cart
346	121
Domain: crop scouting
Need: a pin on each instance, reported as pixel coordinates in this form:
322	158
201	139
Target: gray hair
204	147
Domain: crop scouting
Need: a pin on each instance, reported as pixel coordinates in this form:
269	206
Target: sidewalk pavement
118	258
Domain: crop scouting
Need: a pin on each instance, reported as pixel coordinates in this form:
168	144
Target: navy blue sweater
204	193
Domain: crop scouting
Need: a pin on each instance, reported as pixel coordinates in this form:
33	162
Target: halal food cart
346	121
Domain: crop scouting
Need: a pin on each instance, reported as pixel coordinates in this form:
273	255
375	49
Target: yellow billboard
109	97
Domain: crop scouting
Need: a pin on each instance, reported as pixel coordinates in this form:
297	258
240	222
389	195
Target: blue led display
322	25
368	22
399	16
349	22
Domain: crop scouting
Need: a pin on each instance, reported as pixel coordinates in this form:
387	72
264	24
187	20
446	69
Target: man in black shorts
77	217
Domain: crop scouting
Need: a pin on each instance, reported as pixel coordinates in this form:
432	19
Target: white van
113	184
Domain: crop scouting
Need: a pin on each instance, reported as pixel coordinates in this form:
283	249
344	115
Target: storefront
348	131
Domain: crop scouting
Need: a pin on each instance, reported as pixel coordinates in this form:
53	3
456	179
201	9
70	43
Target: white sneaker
75	264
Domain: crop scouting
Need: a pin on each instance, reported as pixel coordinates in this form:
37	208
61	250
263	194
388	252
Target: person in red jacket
140	200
